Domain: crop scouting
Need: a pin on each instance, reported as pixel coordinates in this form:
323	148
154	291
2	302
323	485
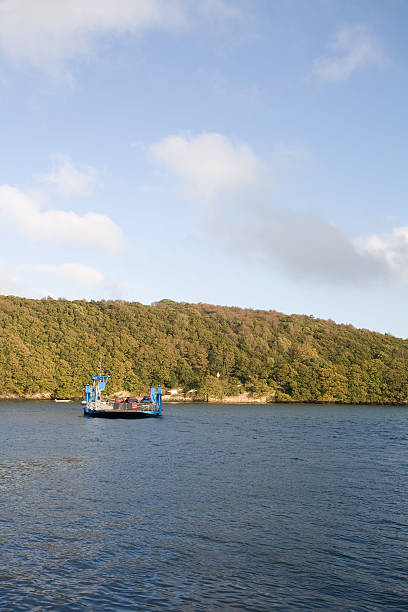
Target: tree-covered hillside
53	346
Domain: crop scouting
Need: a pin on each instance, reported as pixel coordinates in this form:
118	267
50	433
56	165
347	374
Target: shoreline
47	397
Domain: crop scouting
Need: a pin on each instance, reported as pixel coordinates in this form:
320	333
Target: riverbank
27	396
245	398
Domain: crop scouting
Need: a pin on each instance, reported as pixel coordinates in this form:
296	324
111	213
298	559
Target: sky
237	152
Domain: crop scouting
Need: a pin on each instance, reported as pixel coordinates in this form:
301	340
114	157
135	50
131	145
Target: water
209	508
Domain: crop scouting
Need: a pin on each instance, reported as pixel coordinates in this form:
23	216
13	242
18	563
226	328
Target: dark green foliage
54	346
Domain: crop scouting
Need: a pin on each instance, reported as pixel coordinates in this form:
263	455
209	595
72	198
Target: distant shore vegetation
52	347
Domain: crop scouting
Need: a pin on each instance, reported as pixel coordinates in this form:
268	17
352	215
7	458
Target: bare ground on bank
244	398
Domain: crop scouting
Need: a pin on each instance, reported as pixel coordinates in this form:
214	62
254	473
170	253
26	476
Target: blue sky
240	152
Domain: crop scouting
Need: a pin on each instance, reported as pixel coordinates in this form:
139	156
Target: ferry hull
120	414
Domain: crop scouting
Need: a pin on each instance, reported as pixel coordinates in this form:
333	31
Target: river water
212	507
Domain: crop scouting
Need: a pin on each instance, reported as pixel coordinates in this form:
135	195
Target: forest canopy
54	346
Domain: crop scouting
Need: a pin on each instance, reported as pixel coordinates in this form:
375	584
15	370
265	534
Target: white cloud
353	48
45	33
78	273
69	180
92	230
232	185
210	163
391	248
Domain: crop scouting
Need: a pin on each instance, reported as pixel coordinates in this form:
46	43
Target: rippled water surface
209	508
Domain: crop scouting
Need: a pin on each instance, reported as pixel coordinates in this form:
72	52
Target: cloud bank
230	184
24	212
74	281
354	48
8	284
75	272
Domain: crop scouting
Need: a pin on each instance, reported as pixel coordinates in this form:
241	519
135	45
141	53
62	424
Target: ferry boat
124	408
